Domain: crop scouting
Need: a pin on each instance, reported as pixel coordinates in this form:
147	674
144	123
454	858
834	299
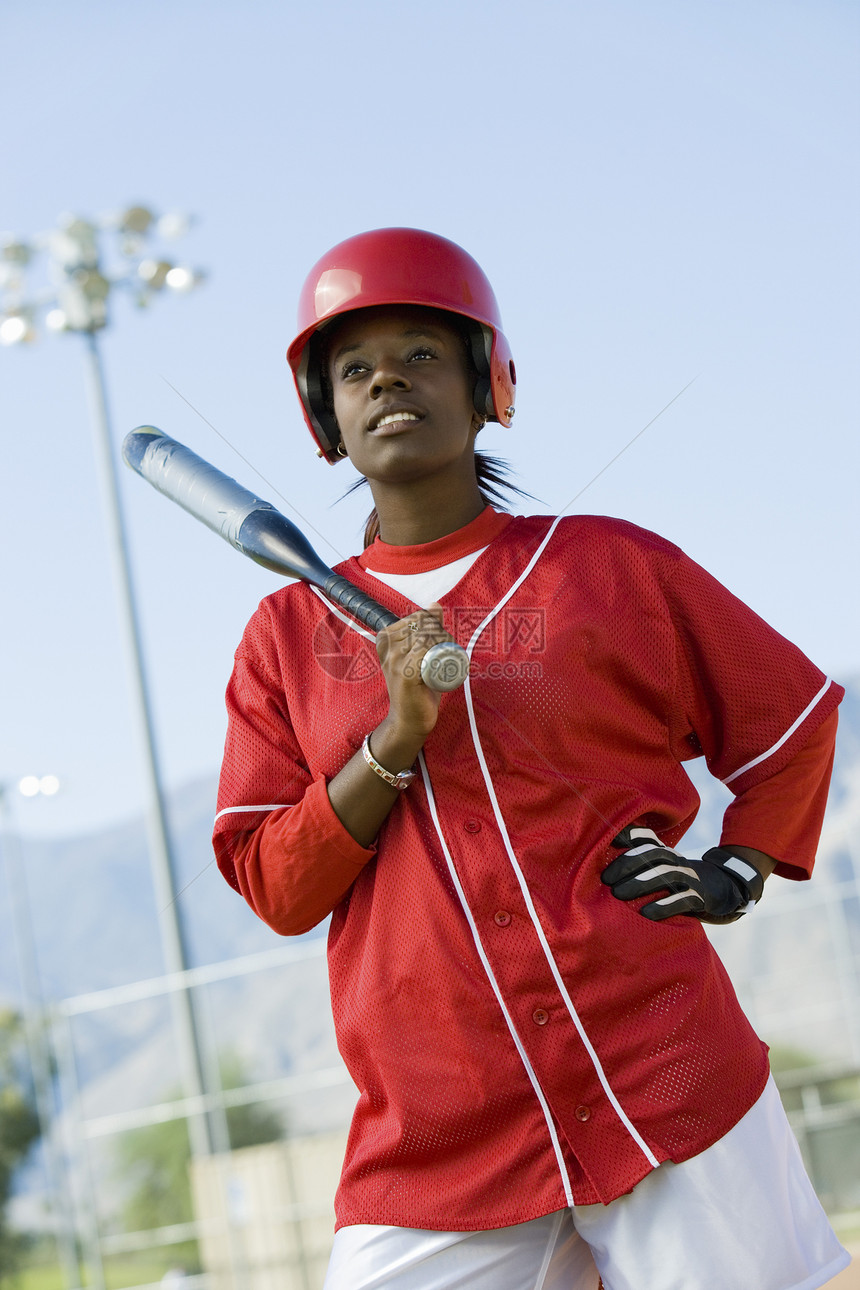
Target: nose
388	374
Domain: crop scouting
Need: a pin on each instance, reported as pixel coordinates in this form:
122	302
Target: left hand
719	888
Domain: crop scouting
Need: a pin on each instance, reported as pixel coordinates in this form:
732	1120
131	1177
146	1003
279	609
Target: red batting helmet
399	266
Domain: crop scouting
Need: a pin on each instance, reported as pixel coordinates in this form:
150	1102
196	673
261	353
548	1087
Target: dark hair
494	485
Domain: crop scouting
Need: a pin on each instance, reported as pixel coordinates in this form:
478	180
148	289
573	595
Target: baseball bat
262	533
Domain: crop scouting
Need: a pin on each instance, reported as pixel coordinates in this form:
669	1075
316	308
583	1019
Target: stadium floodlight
38	785
16	327
87	261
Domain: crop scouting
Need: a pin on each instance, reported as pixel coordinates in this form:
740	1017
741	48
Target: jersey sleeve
277	839
782	816
745	696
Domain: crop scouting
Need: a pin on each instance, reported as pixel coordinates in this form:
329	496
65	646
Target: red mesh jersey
520	1039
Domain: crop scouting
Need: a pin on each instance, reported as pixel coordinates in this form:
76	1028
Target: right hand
413	707
361	799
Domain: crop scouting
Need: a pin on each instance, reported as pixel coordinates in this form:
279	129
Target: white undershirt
424	588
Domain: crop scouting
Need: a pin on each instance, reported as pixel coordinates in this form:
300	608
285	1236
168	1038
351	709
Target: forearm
361	799
294	865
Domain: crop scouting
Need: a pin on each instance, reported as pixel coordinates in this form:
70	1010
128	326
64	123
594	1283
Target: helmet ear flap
313	385
495	385
481	348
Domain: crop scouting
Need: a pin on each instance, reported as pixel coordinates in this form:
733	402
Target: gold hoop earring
341	451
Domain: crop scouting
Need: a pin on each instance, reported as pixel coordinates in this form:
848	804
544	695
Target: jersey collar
384	558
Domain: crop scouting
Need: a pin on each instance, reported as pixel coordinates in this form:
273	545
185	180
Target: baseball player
556	1082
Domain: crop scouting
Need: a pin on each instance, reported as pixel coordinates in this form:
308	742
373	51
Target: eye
351	368
422	352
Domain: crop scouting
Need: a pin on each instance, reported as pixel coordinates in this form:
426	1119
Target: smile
394	417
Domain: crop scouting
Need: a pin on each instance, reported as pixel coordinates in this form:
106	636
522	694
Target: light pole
81	279
34	1014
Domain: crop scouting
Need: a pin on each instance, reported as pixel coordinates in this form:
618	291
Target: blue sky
657	192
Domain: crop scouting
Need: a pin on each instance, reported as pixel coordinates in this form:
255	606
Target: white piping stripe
504	600
539	1093
589	1048
344	618
245	810
553	966
789	732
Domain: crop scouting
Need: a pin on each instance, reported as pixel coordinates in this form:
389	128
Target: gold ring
413	627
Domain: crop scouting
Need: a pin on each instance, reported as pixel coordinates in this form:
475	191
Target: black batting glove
719	888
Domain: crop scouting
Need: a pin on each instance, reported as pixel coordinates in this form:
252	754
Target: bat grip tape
358	603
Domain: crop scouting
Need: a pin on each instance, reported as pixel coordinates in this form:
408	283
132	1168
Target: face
402	388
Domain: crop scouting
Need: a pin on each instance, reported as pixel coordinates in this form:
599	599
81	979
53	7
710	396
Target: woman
550	1084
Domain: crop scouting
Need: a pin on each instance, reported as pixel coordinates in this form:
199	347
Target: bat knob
444	666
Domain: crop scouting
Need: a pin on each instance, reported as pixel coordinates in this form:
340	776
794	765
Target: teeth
396	416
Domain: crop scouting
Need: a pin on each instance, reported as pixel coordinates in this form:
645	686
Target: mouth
393	422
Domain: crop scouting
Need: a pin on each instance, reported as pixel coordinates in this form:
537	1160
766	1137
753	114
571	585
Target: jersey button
583	1113
540	1016
472	826
502	917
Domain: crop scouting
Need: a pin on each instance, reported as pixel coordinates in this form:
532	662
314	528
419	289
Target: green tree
154	1162
19	1126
